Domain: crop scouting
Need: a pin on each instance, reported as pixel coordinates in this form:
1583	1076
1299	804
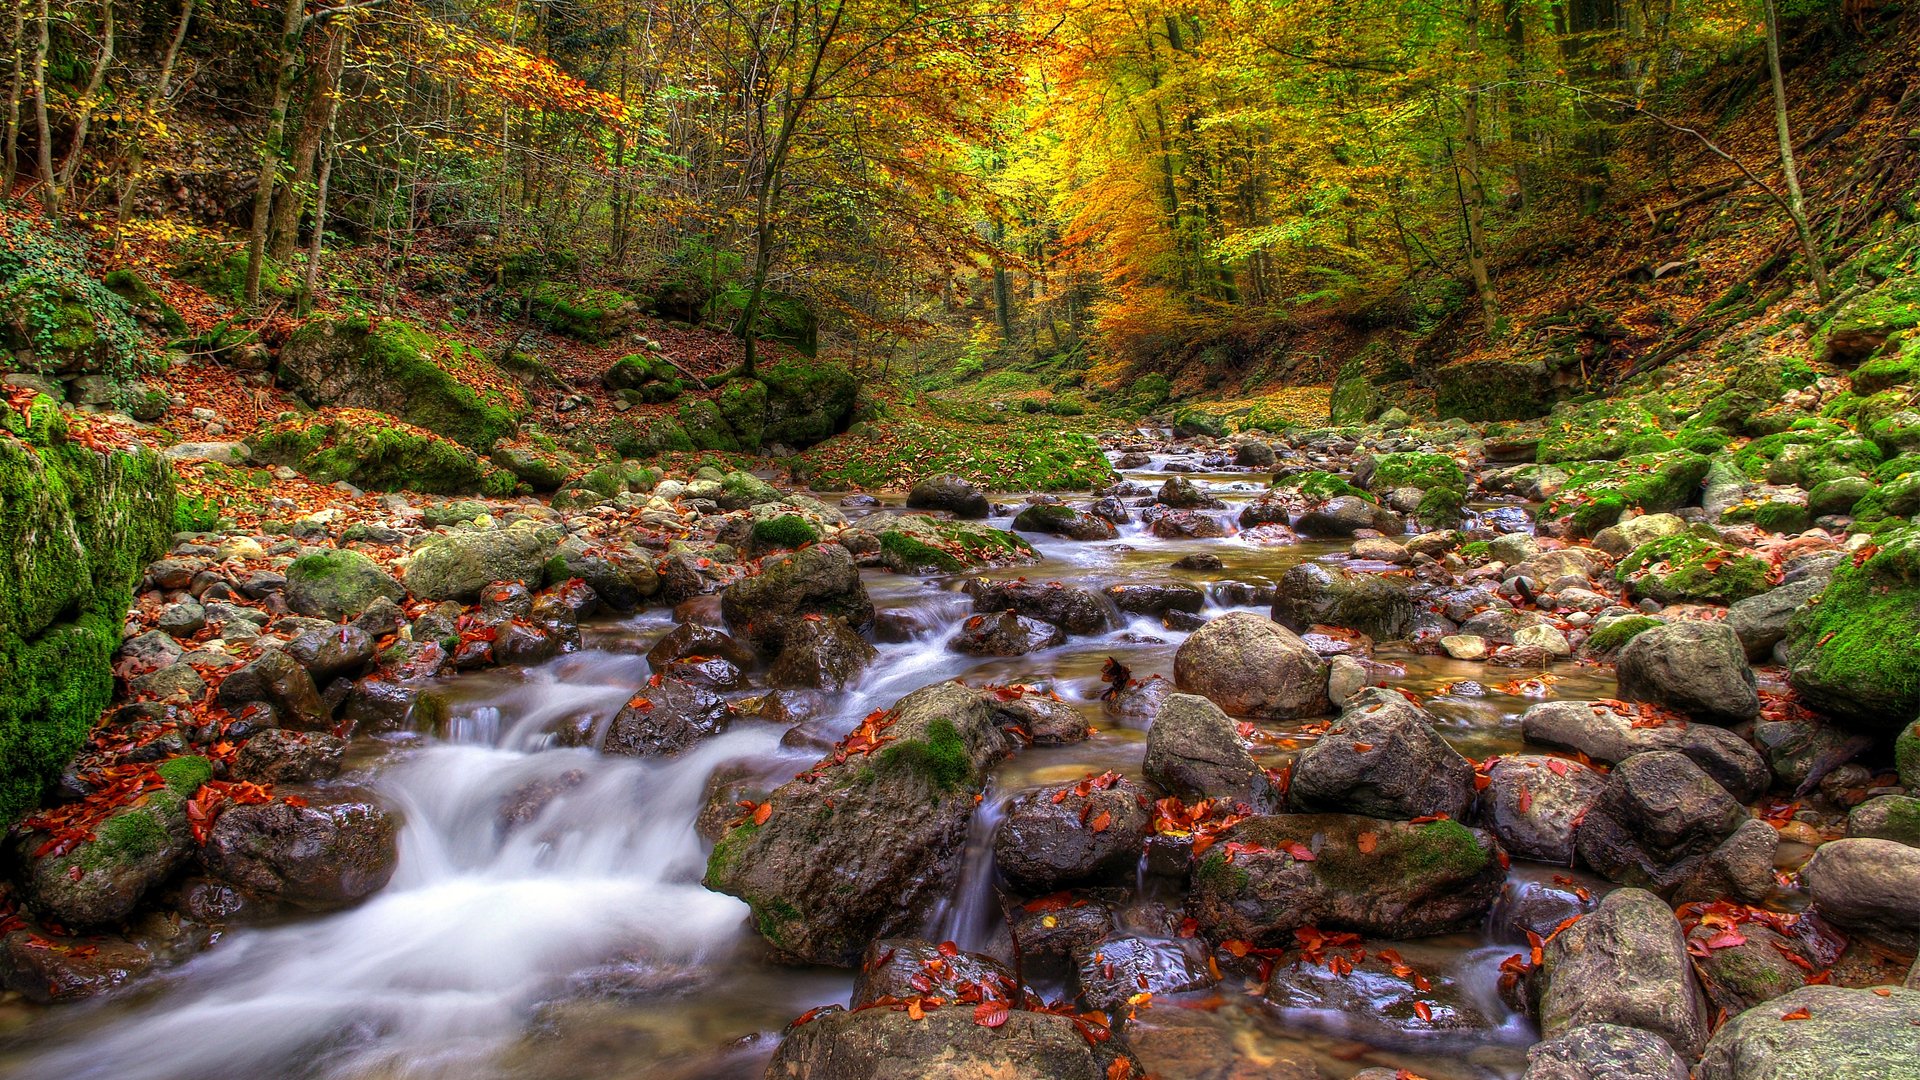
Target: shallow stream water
581	944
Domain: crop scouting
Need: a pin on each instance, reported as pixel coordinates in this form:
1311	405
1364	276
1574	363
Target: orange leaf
1423	1011
1798	1014
1101	821
762	812
991	1013
1368	842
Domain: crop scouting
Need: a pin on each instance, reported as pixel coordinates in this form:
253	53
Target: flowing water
575	940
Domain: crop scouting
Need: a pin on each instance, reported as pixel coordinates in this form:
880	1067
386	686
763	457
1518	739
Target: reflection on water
576	940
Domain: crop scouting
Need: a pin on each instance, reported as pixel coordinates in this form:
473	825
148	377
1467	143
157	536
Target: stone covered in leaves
1066	835
917	543
859	846
313	851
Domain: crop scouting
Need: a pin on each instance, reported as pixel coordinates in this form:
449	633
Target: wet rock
1803	750
1847	1035
1390	879
1346	678
1046	720
329	653
1382	758
1061	924
1181	493
622	576
1266	510
957	496
817	580
1867	885
1464	646
1344	515
331	853
1609	737
1253	454
460	565
1062	836
885	1044
66	969
1253	667
281	682
666	719
335	585
1626	963
289	757
1113	971
1005	634
1744	967
820	653
1069	607
1532	802
1186	525
907	967
1056	520
146	653
691	640
1659	815
1157	599
1604	1052
1313	593
1699	668
1218	1045
1530	904
860	850
1376	997
1194	749
1760	622
1135	705
1740	867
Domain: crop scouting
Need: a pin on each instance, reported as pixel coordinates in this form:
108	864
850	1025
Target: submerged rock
887	1044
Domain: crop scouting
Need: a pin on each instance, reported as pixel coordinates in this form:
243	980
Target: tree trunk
49	198
283	231
16	86
1474	195
84	107
311	283
162	87
292	22
1796	203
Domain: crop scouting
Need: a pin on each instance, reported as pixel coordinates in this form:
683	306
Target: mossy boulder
1354	399
1855	650
705	427
1612	636
808	401
538	469
373	451
1416	470
866	841
1595	496
1495	389
146	303
743	404
335	585
1605	429
582	313
1869	321
55	317
917	543
102	879
783	533
394	367
1690	569
652	379
76	529
458	566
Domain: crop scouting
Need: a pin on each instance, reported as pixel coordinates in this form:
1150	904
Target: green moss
1441	507
76	530
940	760
1861	640
1319	486
1614	635
786	531
743	405
727	851
1688	568
416	369
584	314
184	775
1416	470
1443	849
1219	876
371	451
1603	429
1354	399
1017	454
1596	496
1906	755
907	554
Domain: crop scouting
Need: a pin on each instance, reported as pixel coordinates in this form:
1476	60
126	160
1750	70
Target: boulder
1657	818
335	585
887	1044
1531	804
332	852
1056	520
66	968
133	851
1005	633
1391	879
621	575
957	496
327	654
1627	534
1625	963
819	580
1185	525
1603	1052
1887	817
279	680
1315	593
907	967
1344	515
275	756
1699	668
821	653
1181	493
1114	972
693	639
666	719
1051	838
1609	736
390	366
1157	599
460	565
1195	750
1847	1034
1760	622
1253	667
872	835
1867	885
1855	655
1382	758
1072	608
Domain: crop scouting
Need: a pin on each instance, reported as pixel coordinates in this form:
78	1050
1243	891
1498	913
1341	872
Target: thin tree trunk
327	145
292	22
162	87
49	198
1796	203
283	231
84	107
1474	197
16	86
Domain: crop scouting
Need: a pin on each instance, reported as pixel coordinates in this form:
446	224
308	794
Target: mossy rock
1893	502
1416	470
706	428
1613	635
1319	486
374	452
395	367
1868	323
1596	495
808	401
915	543
55	317
1602	430
645	436
146	303
1690	569
1856	649
1494	389
335	585
783	533
743	404
582	313
77	528
1784	511
1354	399
540	470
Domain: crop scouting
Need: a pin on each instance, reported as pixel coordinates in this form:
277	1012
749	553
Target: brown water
582	945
